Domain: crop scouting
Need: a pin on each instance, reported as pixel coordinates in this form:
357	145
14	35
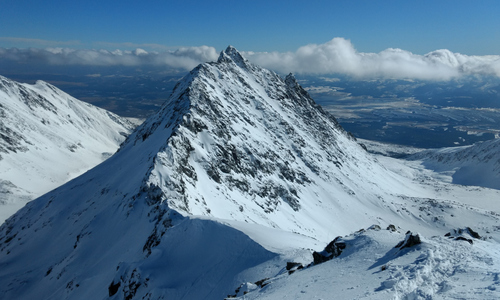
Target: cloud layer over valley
340	56
337	56
183	58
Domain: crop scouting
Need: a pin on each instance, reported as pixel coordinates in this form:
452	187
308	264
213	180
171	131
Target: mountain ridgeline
235	125
48	137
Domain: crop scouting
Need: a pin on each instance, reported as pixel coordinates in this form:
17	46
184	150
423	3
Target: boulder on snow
463	235
318	257
333	249
473	233
262	283
292	265
409	241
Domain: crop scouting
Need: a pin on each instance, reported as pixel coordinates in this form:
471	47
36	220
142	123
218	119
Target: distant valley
407	112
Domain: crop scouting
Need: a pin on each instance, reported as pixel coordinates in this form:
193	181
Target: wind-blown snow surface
371	267
238	172
47	138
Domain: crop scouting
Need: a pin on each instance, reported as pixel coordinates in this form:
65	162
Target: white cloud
337	56
340	56
183	58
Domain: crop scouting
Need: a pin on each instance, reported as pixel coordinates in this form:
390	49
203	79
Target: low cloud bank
340	56
182	58
337	56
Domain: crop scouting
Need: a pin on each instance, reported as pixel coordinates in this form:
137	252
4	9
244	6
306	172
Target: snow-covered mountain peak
235	127
244	144
232	55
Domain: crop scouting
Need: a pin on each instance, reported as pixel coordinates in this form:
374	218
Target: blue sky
467	27
429	40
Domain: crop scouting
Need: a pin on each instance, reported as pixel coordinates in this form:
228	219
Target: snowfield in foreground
237	177
371	267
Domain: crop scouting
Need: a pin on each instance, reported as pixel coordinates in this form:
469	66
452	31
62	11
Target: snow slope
47	138
371	267
478	164
239	172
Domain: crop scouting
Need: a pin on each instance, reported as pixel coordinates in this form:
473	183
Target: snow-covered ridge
239	171
478	164
48	137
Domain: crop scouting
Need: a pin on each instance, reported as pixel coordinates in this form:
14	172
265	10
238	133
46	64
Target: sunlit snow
238	174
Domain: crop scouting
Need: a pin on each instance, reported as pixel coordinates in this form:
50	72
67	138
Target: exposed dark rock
320	258
463	235
333	249
213	173
113	288
374	227
409	241
162	223
262	283
461	238
291	265
473	233
391	227
154	194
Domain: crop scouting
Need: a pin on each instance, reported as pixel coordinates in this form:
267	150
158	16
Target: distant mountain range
241	186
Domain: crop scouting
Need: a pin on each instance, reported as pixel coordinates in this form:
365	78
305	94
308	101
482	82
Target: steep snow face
478	164
234	147
48	137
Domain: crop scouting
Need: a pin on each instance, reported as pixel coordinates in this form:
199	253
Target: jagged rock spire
232	55
291	81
